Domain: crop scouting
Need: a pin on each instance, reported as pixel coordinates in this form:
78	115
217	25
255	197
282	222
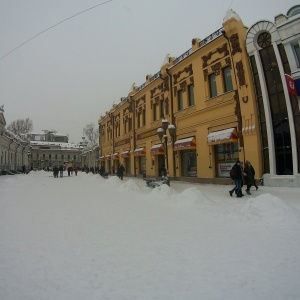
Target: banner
291	85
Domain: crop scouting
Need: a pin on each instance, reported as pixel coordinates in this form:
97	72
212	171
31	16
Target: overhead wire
8	53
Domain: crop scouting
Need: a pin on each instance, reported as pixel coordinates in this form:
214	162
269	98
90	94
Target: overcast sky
69	75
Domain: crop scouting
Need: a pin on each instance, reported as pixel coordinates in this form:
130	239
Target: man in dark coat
236	174
121	171
249	176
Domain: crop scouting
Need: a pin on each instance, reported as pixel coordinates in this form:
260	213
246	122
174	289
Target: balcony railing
204	42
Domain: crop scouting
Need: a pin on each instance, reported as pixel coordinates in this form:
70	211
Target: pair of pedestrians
238	174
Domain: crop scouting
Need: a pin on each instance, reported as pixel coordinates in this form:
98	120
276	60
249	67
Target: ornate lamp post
162	134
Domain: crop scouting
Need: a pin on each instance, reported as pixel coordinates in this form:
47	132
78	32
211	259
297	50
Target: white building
13	150
274	54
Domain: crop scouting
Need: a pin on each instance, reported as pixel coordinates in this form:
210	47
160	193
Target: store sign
224	169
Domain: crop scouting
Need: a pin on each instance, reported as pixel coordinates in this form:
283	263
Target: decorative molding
188	70
183	86
228	62
216	68
205	73
167	105
240	73
221	50
235	44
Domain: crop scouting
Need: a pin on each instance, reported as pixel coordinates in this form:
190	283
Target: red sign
291	85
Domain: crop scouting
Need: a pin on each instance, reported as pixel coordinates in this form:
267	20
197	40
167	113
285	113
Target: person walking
249	176
61	170
76	170
55	171
236	174
121	171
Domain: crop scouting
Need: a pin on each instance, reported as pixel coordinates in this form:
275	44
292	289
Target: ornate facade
208	95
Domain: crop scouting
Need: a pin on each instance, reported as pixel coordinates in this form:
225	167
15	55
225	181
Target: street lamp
162	134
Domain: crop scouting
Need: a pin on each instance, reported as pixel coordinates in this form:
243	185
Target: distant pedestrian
121	171
61	170
24	169
55	172
76	170
249	176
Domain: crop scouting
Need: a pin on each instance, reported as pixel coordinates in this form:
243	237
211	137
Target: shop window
191	95
227	79
212	85
189	163
180	100
226	156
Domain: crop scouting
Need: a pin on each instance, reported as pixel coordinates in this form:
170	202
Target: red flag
291	85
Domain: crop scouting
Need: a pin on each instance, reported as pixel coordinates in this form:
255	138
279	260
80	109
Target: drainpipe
172	120
132	105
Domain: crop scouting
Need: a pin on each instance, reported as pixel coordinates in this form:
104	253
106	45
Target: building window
55	156
264	40
144	117
212	85
62	156
297	53
180	100
162	109
49	156
227	79
191	95
154	111
130	124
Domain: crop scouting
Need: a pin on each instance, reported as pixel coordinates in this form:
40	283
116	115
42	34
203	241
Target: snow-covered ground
86	237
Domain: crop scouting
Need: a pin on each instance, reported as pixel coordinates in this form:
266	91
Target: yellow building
207	95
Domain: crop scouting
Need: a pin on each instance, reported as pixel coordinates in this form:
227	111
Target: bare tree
91	132
21	126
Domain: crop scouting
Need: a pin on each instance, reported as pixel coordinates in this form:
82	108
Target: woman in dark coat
249	176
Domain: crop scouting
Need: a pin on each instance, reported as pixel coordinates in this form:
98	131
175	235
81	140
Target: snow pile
270	209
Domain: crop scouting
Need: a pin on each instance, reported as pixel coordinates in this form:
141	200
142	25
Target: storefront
187	156
226	152
127	164
158	154
140	159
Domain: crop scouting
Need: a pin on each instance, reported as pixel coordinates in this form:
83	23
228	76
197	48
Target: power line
54	26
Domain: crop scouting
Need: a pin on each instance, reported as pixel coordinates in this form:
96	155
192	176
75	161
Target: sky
67	76
85	237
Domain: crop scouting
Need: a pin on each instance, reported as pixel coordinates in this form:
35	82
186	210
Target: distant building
13	150
49	149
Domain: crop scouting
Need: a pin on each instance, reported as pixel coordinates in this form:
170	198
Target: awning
115	156
140	152
157	149
125	154
107	157
102	157
223	136
185	144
